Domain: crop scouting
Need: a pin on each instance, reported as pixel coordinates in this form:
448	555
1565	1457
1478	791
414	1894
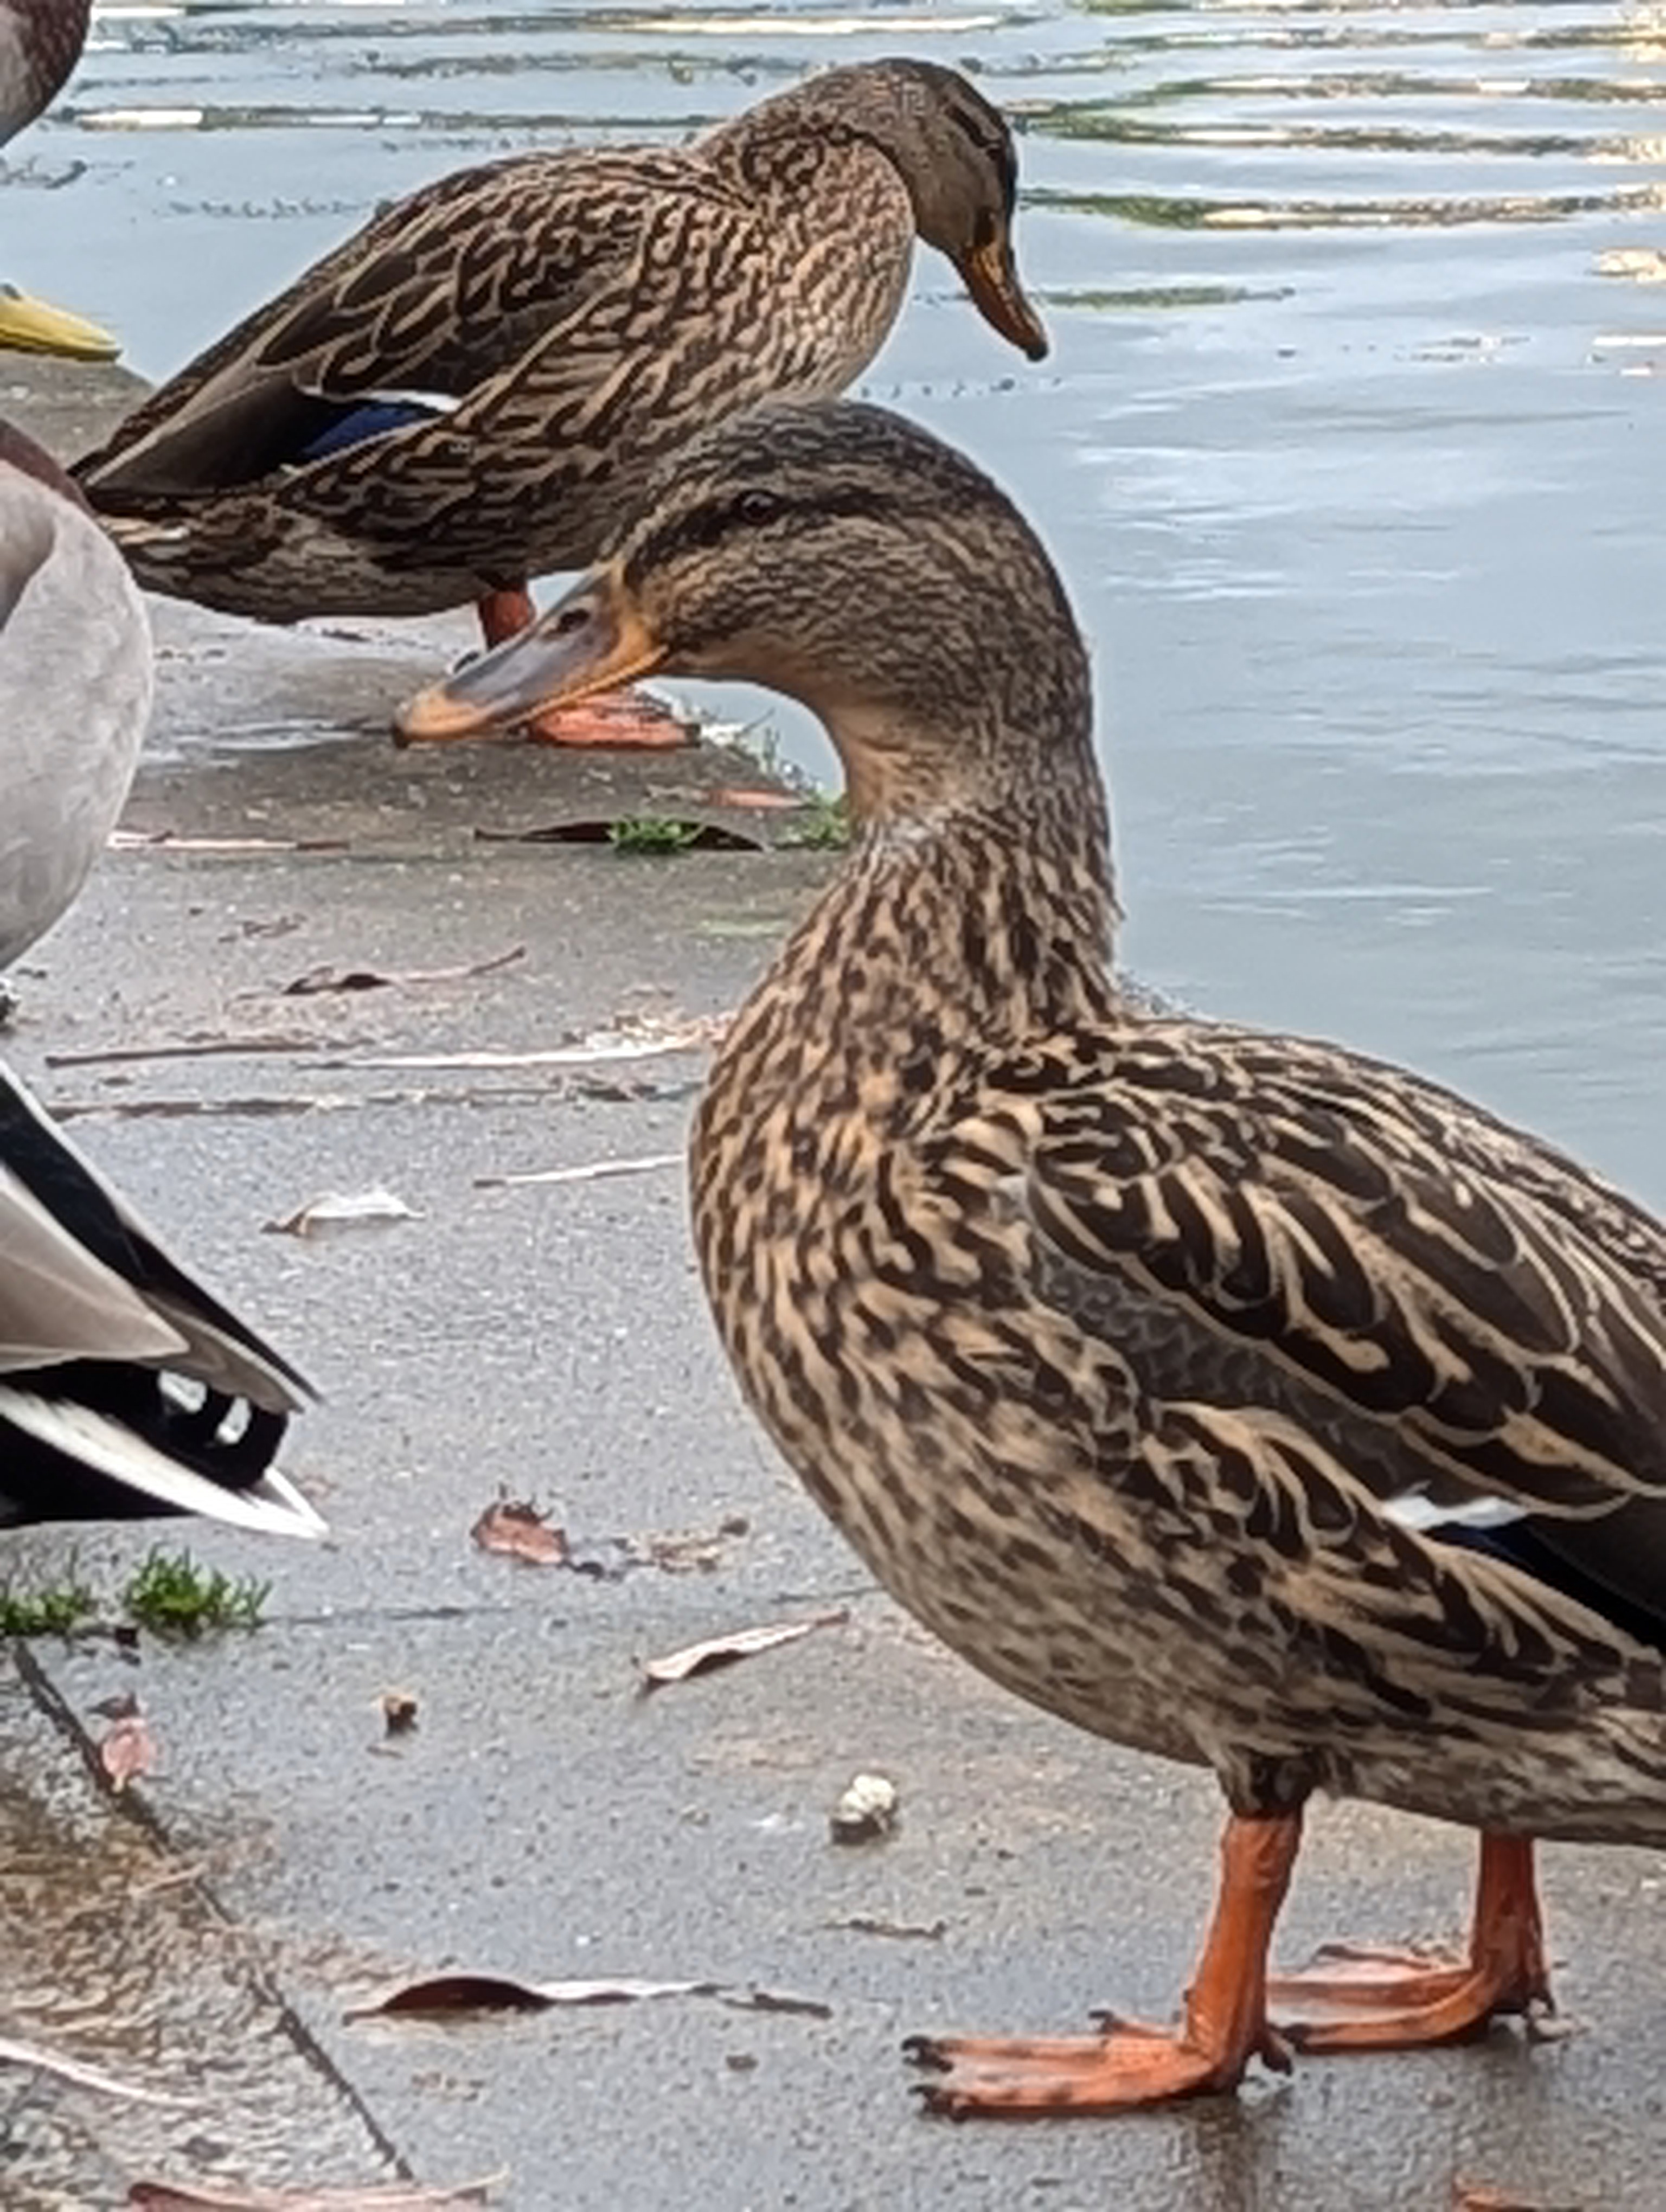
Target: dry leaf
399	1711
742	1643
696	836
14	2053
515	1527
592	1172
391	2196
319	980
127	1750
338	1209
445	1993
451	1993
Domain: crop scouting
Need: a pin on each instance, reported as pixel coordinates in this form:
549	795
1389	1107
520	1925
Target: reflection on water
1349	444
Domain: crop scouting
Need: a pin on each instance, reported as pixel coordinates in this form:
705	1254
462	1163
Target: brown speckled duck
1237	1397
40	43
470	392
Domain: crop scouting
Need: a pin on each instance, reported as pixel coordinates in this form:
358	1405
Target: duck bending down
76	679
40	43
468	393
1235	1396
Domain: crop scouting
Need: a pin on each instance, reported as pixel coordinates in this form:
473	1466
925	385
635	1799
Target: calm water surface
1351	445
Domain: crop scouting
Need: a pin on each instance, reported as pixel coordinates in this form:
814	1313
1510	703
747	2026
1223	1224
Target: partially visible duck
76	678
40	43
125	1387
1232	1396
468	393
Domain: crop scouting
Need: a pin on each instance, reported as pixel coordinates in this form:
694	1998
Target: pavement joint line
132	1805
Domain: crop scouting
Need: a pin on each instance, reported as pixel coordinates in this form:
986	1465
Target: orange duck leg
1357	1999
614	718
1131	2063
1360	1998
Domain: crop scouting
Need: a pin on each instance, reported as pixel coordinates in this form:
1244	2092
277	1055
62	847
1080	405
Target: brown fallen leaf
399	1711
455	1993
699	836
516	1528
446	1993
319	980
378	2196
740	1644
127	1750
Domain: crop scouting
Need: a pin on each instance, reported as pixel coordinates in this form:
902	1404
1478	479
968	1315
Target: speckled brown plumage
1234	1396
40	43
580	314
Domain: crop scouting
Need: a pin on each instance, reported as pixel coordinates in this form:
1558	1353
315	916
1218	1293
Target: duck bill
594	640
31	326
991	278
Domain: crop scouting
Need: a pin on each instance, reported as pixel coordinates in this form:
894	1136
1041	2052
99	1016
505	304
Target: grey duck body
75	678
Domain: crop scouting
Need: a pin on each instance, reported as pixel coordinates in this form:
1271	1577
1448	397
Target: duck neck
991	894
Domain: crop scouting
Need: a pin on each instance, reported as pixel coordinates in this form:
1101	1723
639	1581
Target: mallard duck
40	43
1237	1397
124	1387
74	687
468	393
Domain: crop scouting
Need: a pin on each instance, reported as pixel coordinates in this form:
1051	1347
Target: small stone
866	1812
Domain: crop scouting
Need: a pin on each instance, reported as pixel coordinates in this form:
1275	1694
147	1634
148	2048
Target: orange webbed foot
1371	1998
1131	2065
612	718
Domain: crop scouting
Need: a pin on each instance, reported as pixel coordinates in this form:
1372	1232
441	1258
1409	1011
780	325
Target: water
1349	446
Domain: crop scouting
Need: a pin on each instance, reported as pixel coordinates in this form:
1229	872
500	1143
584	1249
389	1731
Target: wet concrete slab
287	1860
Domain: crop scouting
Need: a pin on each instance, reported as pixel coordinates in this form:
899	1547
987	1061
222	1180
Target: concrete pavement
287	1860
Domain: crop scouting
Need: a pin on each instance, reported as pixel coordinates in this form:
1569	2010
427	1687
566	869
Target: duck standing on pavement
470	392
1235	1396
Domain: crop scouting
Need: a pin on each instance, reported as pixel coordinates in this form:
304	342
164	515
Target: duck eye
756	508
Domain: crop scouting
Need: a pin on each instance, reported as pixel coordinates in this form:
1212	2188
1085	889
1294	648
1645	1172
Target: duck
40	43
467	394
76	675
1238	1397
126	1388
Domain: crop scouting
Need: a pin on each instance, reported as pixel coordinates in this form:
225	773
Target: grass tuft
172	1595
45	1612
651	833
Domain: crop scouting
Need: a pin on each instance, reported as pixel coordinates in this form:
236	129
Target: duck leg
613	718
1358	1997
1225	2024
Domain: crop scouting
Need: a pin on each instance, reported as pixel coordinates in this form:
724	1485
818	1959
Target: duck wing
436	297
1474	1326
83	1277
